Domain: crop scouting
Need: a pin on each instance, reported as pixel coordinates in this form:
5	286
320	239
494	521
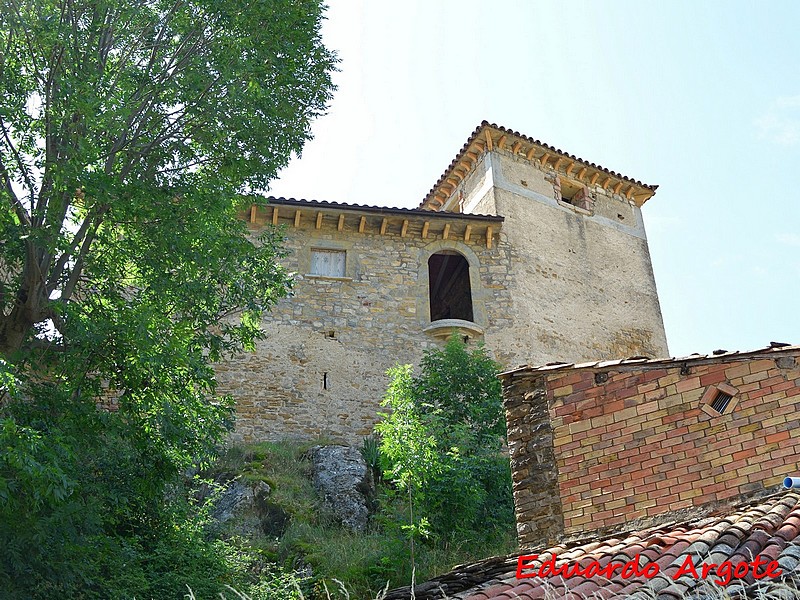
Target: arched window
450	292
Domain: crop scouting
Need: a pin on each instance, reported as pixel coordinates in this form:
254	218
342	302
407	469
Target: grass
343	564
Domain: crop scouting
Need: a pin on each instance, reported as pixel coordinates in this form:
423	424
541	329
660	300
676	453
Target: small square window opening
328	263
576	195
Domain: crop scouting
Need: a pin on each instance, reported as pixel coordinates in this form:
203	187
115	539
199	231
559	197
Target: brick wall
642	441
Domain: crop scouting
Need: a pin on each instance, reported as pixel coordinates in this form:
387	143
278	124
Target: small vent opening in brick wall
721	401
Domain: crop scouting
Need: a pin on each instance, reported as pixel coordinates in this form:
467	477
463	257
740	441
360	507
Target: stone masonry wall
557	282
534	475
321	370
638	443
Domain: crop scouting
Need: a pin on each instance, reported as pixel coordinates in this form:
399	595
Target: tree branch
23	168
19	208
61	263
27	35
77	268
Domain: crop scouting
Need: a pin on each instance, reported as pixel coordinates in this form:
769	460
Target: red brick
574	398
683	446
777	437
712	378
670	442
785	385
587	386
673	418
568	379
614	406
738	463
653	375
744	454
688	384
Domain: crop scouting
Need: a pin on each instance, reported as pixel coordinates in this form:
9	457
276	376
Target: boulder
341	477
238	497
244	509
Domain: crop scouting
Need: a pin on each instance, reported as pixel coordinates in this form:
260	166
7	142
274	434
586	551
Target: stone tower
537	253
581	281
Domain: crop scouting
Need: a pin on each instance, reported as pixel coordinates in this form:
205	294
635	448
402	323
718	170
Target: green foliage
363	562
371	452
442	442
129	133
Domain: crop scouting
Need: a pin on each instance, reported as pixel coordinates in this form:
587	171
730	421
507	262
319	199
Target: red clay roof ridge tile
708	539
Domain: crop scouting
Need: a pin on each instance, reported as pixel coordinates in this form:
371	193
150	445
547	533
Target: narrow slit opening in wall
325	380
721	401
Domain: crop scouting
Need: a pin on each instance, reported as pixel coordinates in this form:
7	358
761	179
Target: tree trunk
29	306
14	328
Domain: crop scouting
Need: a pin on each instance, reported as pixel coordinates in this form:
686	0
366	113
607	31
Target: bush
441	443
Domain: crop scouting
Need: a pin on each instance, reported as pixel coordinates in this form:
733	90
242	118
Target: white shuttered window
327	263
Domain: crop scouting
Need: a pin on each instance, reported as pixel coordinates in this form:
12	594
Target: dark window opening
721	402
450	291
568	191
325	380
576	195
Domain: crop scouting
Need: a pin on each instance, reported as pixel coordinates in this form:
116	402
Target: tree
129	134
126	127
442	440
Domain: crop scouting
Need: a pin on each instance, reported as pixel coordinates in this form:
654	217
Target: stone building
537	253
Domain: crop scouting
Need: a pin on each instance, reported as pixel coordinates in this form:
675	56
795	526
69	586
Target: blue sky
702	99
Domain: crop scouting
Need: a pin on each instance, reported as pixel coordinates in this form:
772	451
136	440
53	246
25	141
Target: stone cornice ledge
443	328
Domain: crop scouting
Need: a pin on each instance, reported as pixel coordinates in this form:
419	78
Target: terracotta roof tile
486	125
767	528
769	352
299	202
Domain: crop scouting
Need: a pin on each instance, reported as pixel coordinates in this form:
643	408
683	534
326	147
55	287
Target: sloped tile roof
775	349
427	214
480	129
768	528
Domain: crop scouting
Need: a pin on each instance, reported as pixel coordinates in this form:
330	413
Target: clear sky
701	98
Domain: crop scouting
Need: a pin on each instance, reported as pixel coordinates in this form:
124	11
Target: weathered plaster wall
302	383
581	281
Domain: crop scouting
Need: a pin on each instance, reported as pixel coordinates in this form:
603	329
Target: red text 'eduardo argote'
723	573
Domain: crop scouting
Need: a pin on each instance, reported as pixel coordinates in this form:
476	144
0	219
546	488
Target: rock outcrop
341	477
244	508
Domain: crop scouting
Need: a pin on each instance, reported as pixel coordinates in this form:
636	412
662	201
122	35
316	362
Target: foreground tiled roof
768	528
773	350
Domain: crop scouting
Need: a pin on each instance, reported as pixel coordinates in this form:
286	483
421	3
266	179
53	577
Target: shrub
441	443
